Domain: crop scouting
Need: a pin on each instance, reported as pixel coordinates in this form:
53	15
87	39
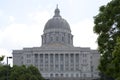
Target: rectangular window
36	55
57	38
66	75
41	68
51	75
51	67
56	58
72	75
61	67
28	61
41	58
41	61
77	75
56	75
72	58
61	75
77	58
66	59
46	67
28	55
46	58
77	67
63	39
51	58
36	61
56	67
51	38
61	57
41	55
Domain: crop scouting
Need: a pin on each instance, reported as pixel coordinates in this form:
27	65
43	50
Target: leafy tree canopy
1	58
107	26
20	73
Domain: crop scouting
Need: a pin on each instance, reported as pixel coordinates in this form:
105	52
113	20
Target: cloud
19	35
39	17
4	52
11	19
71	2
84	34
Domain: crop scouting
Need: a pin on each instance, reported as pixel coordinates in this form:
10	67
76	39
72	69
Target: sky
22	22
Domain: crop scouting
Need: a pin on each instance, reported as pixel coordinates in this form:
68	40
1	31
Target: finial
57	12
57	6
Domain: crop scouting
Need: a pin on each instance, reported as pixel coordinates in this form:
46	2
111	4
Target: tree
107	26
25	73
1	58
20	73
3	72
115	64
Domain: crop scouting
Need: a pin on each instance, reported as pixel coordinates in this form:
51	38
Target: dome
57	32
57	23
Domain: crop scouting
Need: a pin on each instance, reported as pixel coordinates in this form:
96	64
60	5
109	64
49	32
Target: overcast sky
22	21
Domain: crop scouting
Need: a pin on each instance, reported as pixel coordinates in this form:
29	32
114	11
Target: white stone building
57	58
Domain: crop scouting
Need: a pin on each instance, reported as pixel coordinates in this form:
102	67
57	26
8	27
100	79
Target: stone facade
57	58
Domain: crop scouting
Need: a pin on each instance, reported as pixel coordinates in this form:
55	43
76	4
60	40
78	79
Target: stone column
58	62
48	62
69	61
64	61
54	62
39	61
43	62
74	54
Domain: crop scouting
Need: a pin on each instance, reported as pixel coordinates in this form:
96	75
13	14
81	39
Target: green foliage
107	26
20	73
3	71
116	60
1	58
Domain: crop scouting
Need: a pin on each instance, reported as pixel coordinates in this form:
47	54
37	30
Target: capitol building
57	58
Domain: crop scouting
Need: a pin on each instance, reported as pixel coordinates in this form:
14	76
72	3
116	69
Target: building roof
57	23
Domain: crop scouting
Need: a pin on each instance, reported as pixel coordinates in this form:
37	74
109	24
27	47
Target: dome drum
57	30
